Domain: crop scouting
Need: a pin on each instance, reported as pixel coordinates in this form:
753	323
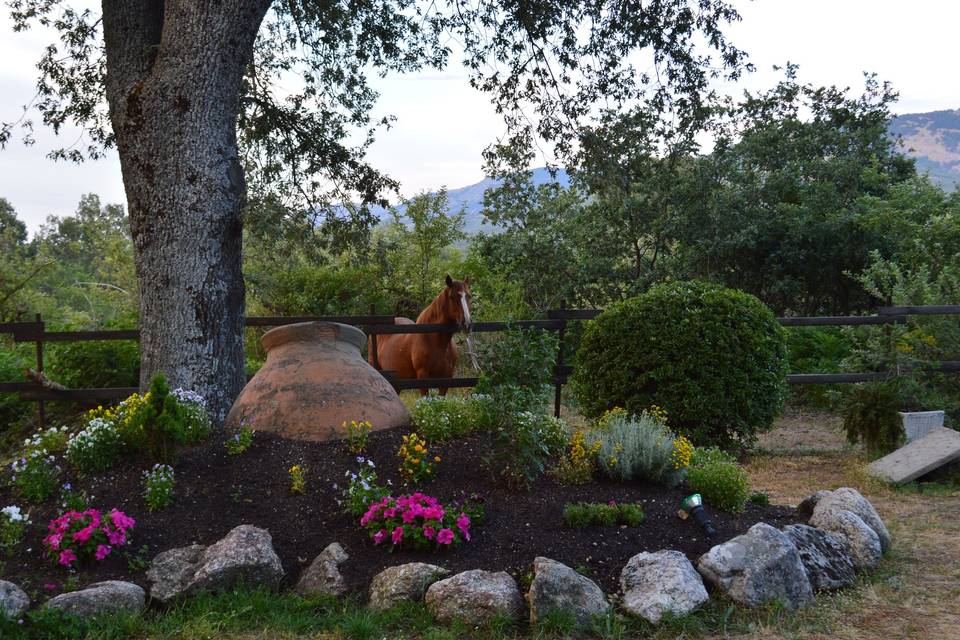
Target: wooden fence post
373	342
558	388
41	407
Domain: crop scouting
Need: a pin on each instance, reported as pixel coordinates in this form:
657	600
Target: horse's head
457	297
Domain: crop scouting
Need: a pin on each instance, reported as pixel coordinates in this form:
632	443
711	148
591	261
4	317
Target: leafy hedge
714	358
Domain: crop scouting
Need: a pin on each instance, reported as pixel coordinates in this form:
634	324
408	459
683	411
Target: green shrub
96	363
871	416
167	418
635	448
13	524
519	356
443	418
706	455
585	514
722	484
12	409
714	358
519	448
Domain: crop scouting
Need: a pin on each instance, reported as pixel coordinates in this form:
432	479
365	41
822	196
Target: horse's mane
434	311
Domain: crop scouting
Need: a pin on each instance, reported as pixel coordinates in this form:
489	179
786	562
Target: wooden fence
377	325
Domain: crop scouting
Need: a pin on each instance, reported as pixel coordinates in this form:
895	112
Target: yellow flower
436	459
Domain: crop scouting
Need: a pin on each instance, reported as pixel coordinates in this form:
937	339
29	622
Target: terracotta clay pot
315	379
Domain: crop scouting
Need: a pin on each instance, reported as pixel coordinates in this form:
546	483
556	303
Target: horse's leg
422	374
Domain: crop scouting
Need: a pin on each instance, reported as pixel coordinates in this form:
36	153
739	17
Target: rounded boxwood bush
714	358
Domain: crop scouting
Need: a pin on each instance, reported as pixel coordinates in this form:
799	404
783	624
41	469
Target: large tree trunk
174	71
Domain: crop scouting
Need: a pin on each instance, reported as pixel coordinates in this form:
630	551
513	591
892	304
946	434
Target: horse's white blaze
466	309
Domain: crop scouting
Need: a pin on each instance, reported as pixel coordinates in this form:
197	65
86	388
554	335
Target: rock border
762	565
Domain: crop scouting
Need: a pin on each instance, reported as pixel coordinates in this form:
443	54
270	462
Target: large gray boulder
805	508
854	502
652	584
758	567
245	555
860	542
823	555
99	598
13	600
323	577
403	583
474	597
556	587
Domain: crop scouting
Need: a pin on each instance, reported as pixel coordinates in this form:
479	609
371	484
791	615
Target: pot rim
315	331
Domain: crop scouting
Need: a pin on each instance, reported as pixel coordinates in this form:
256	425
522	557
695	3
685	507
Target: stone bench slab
921	456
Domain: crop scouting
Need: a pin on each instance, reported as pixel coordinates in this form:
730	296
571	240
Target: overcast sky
443	125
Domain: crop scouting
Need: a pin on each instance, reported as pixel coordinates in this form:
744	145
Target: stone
859	541
758	567
474	597
805	508
652	584
14	601
112	596
403	583
171	572
919	457
853	501
244	555
556	587
322	577
823	556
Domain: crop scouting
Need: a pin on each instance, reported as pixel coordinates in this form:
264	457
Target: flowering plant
363	489
682	453
240	441
416	464
417	521
577	466
74	499
52	440
76	535
298	479
158	486
13	523
96	447
357	433
36	475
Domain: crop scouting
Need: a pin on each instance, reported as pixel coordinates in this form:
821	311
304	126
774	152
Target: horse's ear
466	280
449	280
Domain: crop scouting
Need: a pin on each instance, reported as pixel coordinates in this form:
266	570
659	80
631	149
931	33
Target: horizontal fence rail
383	325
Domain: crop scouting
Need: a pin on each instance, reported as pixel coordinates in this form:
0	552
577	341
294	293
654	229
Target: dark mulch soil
216	492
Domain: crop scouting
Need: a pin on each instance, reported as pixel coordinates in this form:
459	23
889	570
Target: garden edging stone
474	597
859	540
13	600
112	596
323	577
245	554
403	583
758	567
854	502
652	584
824	558
556	587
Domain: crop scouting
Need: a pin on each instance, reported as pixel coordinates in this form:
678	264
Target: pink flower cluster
82	534
414	520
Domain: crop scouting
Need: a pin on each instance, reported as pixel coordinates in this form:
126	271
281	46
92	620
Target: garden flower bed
216	491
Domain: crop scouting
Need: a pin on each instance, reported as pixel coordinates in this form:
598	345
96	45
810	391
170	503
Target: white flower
13	514
370	463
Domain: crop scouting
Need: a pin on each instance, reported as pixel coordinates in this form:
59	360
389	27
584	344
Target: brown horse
428	355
